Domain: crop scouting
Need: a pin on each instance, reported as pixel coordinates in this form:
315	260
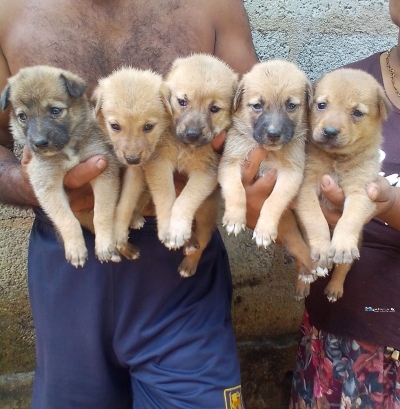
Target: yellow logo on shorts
233	398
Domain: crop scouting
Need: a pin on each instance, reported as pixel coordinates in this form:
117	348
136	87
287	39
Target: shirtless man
108	332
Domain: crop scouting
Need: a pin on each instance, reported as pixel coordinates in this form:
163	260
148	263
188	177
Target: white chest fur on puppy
51	115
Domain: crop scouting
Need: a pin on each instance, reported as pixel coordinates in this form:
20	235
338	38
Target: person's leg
73	317
185	353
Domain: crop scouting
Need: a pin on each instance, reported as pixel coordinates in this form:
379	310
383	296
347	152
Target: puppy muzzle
273	129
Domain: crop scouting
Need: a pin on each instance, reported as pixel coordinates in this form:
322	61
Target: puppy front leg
206	218
344	246
314	223
286	187
230	179
105	190
199	186
55	203
132	187
160	179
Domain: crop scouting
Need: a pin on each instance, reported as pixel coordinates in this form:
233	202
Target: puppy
271	108
130	107
51	115
346	116
199	91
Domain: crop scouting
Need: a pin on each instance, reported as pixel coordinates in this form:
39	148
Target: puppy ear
97	98
5	97
76	86
238	96
166	97
309	94
384	105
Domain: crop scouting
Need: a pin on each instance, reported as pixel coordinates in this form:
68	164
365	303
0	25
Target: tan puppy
131	109
271	107
348	109
51	115
199	90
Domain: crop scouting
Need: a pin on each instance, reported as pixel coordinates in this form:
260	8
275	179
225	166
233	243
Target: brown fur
51	115
348	109
271	111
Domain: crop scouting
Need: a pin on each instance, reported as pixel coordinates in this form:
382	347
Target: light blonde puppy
51	115
271	107
130	107
199	90
347	112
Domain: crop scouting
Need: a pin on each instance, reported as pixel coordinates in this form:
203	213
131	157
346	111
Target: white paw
234	224
137	221
76	255
264	236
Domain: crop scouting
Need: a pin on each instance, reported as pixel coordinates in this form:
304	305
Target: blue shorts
132	334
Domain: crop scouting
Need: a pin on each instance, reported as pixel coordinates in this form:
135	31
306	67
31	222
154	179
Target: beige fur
271	107
199	91
348	109
51	115
130	107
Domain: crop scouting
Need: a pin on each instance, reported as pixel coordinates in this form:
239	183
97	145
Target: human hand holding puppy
386	198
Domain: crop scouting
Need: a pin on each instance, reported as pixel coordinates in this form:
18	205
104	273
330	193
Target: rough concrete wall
317	34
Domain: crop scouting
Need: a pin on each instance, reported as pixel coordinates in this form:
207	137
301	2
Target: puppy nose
274	134
132	160
330	132
193	133
41	142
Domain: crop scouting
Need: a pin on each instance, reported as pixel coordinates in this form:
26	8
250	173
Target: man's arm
233	42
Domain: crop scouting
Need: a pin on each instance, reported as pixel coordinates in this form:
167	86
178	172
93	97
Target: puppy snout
40	142
133	159
273	133
193	133
330	132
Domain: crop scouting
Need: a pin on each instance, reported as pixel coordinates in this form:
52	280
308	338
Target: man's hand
76	181
257	189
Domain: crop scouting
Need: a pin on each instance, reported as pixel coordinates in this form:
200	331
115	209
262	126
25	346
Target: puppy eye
148	127
116	127
56	111
321	106
22	117
182	102
214	109
257	107
358	113
290	106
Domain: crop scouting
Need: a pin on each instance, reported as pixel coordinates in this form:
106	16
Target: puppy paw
130	251
191	246
178	235
233	223
137	221
104	253
343	254
319	255
76	255
320	272
264	235
307	278
333	291
187	268
301	290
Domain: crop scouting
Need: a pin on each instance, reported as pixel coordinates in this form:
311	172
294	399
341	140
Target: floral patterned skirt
337	372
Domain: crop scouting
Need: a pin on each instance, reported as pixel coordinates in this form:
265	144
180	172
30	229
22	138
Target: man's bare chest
94	44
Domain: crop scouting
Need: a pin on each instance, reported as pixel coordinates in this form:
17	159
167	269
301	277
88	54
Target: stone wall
319	35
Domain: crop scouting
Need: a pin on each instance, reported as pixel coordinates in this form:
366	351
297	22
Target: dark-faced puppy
51	115
271	110
346	117
199	92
